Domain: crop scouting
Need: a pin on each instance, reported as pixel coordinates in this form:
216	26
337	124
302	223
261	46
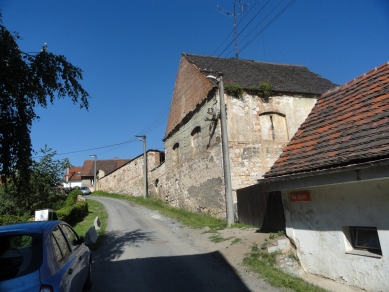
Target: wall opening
176	154
195	138
362	240
273	127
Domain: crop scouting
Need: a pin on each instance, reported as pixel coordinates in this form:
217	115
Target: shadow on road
115	241
203	272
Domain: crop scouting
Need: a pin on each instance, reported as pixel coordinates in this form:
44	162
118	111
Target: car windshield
20	254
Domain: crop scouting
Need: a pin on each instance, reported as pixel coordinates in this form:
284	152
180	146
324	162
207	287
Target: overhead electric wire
269	23
151	125
248	12
279	3
96	148
244	27
147	129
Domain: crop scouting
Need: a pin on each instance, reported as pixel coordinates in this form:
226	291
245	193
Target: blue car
44	256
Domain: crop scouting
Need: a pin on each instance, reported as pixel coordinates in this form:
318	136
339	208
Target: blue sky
130	51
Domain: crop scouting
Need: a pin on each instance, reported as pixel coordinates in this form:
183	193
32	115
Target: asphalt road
144	251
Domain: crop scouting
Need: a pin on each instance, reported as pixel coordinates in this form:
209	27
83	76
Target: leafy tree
43	192
27	81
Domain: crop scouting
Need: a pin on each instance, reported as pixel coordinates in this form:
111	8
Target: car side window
59	244
71	235
56	249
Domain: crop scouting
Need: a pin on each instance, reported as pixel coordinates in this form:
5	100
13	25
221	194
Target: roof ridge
354	80
245	60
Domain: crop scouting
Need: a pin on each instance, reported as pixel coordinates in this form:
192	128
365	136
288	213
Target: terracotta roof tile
107	166
349	124
74	173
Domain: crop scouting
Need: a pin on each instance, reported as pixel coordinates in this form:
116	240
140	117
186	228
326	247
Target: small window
196	140
362	240
273	126
365	238
176	153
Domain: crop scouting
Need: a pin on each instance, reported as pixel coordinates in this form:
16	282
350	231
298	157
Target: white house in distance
72	177
334	180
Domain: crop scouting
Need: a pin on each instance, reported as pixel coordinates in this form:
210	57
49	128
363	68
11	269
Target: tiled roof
349	124
246	73
73	173
192	87
107	166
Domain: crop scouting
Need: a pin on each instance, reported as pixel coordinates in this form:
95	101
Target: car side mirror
81	239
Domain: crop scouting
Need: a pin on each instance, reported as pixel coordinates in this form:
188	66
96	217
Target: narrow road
144	251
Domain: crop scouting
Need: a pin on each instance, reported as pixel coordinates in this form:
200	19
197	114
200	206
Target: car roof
34	226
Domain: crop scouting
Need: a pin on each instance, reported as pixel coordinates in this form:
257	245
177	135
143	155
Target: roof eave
336	175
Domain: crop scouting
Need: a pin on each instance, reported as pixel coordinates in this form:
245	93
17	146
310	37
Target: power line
269	23
96	148
240	21
279	3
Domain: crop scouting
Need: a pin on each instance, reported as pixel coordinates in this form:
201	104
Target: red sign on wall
302	196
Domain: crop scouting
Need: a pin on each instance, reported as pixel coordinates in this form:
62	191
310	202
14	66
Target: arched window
273	127
195	138
176	154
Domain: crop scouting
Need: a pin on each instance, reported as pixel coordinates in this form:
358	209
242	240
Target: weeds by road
264	264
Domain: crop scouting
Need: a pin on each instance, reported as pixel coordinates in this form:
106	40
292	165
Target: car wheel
88	282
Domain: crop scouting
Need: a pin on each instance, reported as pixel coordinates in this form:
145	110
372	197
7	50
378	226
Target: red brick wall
190	89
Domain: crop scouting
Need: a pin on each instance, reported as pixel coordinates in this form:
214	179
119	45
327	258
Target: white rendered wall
316	228
72	184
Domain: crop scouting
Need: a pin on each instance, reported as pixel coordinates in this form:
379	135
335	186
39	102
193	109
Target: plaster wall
128	180
257	133
72	184
258	130
317	228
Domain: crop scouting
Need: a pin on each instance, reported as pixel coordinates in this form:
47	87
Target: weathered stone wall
157	180
194	174
128	180
257	132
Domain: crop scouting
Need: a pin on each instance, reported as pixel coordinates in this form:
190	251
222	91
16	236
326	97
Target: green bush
72	197
73	214
10	219
234	90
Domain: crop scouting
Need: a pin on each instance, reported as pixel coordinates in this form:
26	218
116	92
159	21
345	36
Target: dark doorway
260	209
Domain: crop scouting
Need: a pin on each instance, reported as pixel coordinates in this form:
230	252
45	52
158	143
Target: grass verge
95	209
264	264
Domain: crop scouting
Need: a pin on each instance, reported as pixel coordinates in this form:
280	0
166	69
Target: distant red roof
349	124
105	165
74	173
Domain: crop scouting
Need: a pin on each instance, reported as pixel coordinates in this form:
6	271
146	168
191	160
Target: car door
67	261
79	253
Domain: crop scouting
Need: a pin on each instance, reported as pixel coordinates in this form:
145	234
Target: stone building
265	102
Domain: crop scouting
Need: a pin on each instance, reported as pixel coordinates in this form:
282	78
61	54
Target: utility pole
143	138
94	177
226	154
234	15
